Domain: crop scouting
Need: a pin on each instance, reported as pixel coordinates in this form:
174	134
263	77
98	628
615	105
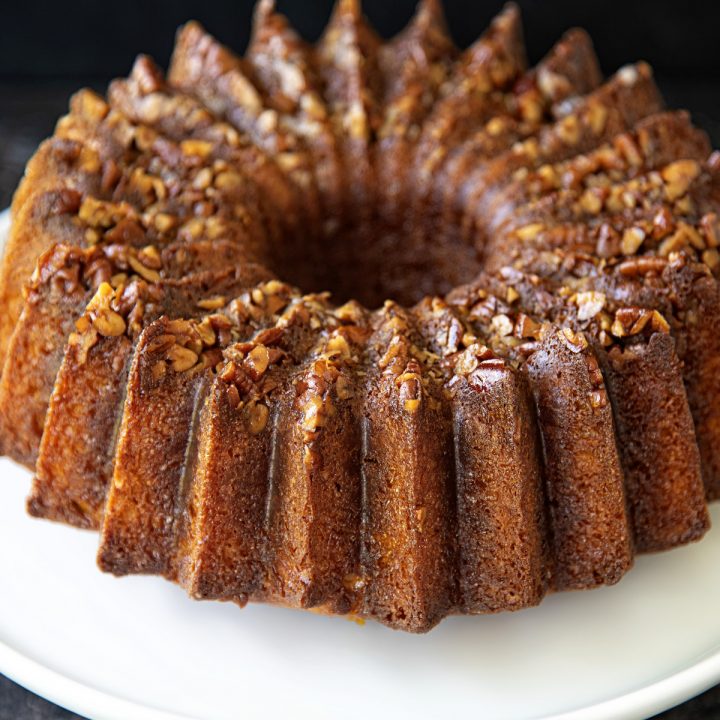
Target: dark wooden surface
27	114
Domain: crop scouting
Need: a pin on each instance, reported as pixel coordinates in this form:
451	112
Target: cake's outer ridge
74	468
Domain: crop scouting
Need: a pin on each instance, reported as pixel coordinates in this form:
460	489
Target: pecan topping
591	202
529	232
631	241
710	229
343	389
100	314
597	117
608	241
526	327
642	266
630	151
144	272
502	325
98	213
410	385
109	324
314	414
569	130
712	259
258	415
212	303
200	148
469	360
181	358
678	176
257	361
575	341
632	321
589	304
233	396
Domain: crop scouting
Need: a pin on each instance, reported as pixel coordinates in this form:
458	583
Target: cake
372	327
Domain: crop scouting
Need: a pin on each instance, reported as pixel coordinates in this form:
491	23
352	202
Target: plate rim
80	697
83	698
73	695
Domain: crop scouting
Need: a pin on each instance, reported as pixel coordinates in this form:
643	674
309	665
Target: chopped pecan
258	415
589	304
631	241
678	176
575	341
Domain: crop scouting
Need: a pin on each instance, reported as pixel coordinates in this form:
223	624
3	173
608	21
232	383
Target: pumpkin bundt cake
373	327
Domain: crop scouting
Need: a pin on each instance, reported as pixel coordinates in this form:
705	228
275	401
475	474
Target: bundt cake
374	327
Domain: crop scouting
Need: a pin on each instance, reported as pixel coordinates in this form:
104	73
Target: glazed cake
375	327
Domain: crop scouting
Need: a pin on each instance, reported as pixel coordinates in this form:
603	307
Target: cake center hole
373	264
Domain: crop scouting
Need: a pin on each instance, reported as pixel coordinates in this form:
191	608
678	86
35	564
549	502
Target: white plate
137	648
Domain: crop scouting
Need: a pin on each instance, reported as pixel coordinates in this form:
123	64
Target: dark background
49	49
86	37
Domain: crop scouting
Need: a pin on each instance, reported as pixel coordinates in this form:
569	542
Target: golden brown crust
24	245
501	527
698	305
221	550
569	69
346	57
74	469
139	522
207	70
281	64
145	98
645	388
491	64
663	476
414	66
316	504
651	143
591	537
74	453
409	512
35	352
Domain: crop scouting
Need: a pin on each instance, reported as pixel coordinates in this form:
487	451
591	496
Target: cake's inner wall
374	263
